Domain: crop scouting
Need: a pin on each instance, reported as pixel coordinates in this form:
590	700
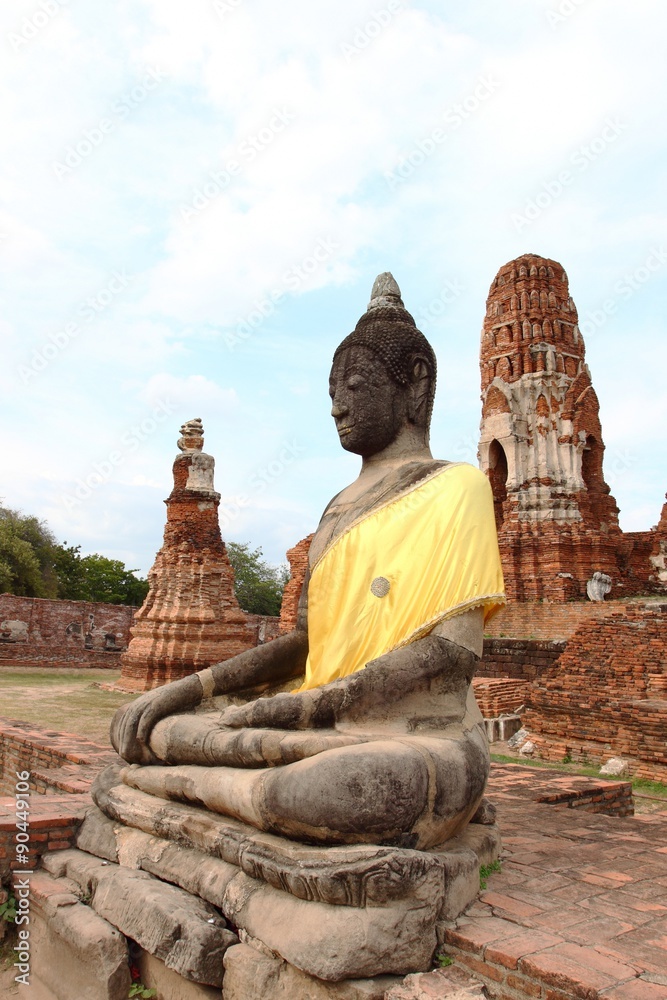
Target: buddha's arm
276	661
450	657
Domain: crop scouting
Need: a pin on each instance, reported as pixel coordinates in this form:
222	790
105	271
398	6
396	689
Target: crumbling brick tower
191	617
541	443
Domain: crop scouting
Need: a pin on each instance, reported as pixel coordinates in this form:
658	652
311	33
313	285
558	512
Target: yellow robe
424	556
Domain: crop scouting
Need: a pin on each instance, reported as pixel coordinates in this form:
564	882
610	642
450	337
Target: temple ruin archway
498	477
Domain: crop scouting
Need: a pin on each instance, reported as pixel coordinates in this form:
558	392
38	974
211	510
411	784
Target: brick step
73	778
53	822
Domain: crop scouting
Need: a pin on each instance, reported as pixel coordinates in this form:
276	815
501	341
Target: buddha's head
383	376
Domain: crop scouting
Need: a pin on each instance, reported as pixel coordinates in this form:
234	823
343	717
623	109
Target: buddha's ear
420	384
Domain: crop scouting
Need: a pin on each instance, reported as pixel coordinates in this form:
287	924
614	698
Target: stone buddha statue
378	740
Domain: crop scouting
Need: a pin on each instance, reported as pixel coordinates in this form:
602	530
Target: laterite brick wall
607	694
39	632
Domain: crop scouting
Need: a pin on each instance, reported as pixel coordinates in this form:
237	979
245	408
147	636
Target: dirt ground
69	701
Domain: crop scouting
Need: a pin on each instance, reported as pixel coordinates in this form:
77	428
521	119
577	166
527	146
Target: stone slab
335	942
344	876
251	974
175	926
169	985
74	951
380	906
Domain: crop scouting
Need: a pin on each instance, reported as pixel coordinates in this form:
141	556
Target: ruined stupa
541	445
190	617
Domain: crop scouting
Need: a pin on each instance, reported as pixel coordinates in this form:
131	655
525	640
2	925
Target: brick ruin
298	561
191	617
607	694
35	632
542	449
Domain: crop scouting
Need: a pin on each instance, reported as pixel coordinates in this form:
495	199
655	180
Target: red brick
508	951
527	987
581	970
638	989
481	968
507	904
472	935
192	569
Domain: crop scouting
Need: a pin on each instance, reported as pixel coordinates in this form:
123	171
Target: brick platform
54	821
499	695
61	762
580	907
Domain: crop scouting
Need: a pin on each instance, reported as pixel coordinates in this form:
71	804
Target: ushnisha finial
385	293
192	438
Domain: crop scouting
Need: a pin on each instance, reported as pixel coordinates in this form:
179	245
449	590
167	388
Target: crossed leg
415	790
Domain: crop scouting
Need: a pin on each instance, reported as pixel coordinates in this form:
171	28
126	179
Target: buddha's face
369	408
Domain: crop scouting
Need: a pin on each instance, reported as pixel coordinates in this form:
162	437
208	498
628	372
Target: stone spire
541	441
385	293
190	617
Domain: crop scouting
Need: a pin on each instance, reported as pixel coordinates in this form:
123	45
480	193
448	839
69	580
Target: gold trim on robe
425	556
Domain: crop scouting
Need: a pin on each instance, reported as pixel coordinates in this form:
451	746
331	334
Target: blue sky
197	197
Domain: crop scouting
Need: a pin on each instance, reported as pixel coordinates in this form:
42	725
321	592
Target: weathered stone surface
337	912
519	737
348	876
615	766
598	587
182	930
61	633
74	951
441	984
193	871
335	942
97	835
250	973
169	985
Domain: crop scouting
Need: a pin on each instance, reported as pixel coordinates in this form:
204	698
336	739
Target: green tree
109	580
26	555
258	585
71	578
32	564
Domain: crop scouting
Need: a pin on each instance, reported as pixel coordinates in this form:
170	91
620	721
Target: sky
197	197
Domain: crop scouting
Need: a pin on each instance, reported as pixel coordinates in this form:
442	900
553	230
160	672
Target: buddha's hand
281	711
133	723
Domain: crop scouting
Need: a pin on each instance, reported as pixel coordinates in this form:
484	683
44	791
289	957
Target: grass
486	870
66	701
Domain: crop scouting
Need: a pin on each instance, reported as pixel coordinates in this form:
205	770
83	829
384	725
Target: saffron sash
424	556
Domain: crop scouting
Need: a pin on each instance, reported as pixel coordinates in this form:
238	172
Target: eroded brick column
191	617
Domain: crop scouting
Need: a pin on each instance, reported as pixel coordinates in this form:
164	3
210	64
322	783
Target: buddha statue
375	737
